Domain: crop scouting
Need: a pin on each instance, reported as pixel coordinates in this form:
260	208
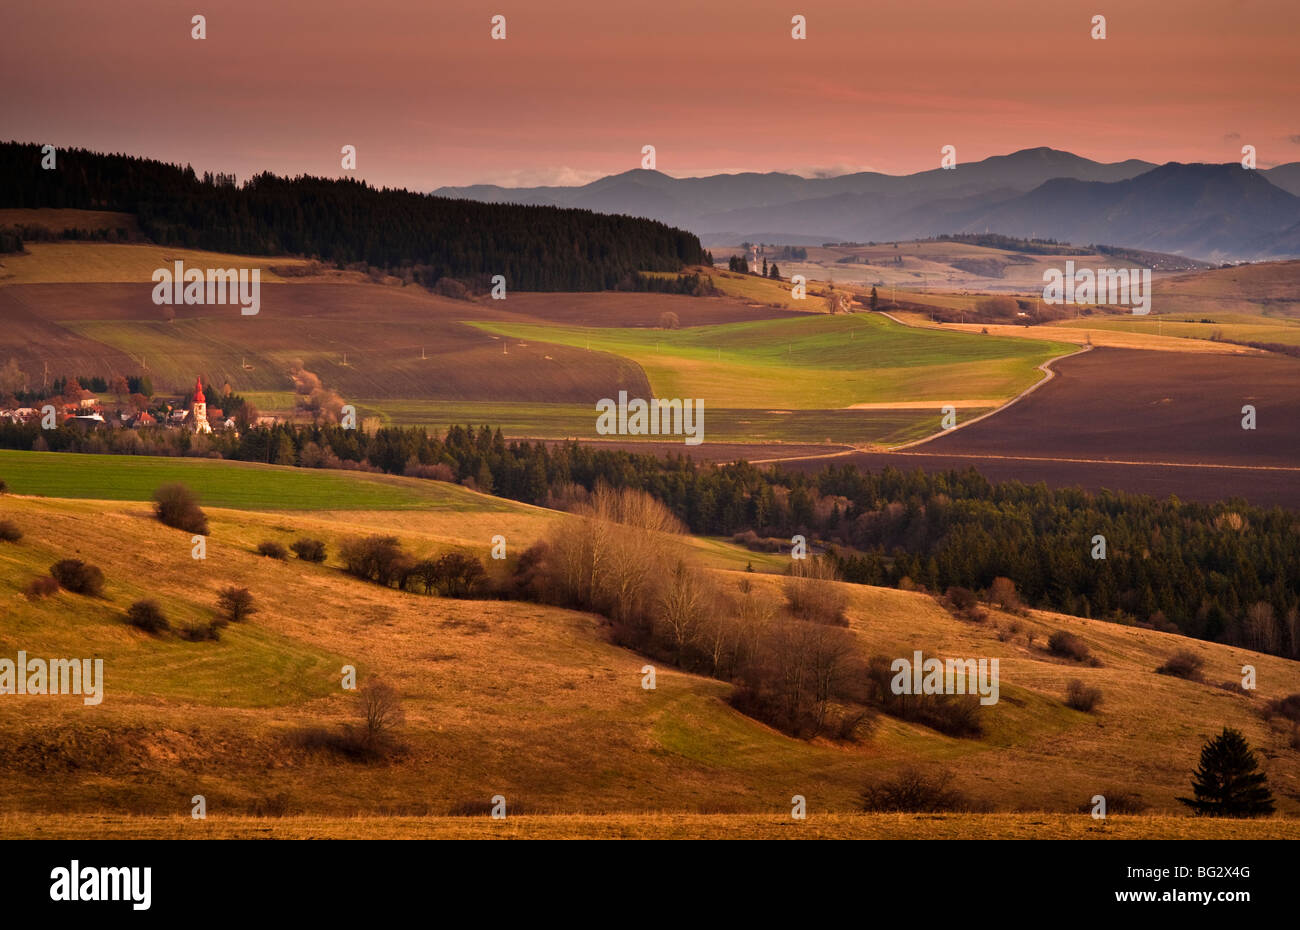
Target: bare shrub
457	575
1183	664
272	550
375	558
309	550
147	616
1081	697
380	709
1068	646
1117	802
78	577
812	593
1003	593
1287	707
40	587
798	672
913	791
177	506
200	631
957	715
235	604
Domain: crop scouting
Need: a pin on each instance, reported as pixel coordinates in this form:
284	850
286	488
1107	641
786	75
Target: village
76	406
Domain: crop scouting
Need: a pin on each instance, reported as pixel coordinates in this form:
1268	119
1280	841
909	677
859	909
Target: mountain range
1211	212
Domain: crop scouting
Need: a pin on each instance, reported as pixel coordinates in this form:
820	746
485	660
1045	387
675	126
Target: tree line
344	222
1227	572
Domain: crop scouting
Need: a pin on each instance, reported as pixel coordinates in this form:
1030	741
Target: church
199	410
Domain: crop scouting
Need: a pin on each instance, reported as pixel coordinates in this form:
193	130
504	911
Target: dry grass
1034	826
532	702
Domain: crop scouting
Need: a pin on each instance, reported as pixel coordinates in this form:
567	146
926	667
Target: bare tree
381	710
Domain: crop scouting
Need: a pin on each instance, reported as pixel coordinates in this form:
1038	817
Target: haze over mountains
1211	212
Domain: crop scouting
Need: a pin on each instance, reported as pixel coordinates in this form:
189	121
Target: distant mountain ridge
1211	212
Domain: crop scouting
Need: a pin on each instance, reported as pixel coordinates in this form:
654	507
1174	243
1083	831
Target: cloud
828	171
562	176
1295	139
1231	136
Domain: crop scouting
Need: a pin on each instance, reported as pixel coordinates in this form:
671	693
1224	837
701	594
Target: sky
578	87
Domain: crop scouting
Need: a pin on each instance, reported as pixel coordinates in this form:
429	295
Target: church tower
199	410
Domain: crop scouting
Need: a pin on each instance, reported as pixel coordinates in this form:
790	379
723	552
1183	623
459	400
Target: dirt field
1129	405
1154	423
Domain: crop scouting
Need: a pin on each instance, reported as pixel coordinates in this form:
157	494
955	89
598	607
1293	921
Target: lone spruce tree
1228	782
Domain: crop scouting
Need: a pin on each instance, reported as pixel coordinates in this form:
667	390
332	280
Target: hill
1212	212
533	702
345	222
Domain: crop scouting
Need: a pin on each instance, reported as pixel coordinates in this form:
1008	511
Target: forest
347	222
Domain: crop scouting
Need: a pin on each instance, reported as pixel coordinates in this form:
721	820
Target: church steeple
199	410
198	392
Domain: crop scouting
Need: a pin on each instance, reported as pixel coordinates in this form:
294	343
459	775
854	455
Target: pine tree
1228	783
875	300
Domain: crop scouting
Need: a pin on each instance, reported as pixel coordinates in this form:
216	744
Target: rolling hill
532	702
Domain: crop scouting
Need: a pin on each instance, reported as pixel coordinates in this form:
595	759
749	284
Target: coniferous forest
345	222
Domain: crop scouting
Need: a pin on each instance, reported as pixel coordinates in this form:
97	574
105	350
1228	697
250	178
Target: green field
239	485
815	362
563	421
1234	327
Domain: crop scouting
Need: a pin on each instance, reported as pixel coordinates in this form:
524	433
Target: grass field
534	703
818	826
816	362
563	421
242	485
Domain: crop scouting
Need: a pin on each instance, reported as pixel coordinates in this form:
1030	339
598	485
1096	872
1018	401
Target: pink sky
578	88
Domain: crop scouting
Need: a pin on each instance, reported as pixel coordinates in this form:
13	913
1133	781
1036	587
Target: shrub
147	616
1081	697
953	714
177	506
380	709
41	587
1183	664
272	550
235	604
961	599
912	791
375	558
9	531
1003	593
78	577
200	631
1288	707
461	574
812	594
1117	802
309	550
1068	646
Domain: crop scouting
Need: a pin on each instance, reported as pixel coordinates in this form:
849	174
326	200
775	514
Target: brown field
1144	422
818	826
99	329
1129	405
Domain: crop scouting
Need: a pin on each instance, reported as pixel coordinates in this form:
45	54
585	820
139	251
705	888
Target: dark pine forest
347	222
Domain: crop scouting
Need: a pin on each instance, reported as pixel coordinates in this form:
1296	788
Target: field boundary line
1045	368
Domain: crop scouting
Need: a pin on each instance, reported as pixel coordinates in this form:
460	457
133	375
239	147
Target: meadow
816	362
533	702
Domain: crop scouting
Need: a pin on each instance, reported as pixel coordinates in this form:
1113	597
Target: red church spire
198	392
